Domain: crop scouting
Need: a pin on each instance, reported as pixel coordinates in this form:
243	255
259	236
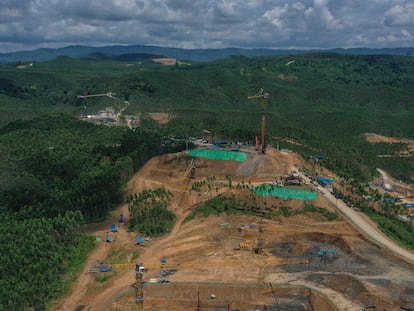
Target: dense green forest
57	172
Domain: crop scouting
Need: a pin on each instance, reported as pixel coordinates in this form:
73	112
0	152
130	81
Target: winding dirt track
371	231
368	228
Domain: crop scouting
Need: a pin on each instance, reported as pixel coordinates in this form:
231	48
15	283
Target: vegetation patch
79	254
309	208
400	231
103	277
232	204
149	212
216	206
38	252
75	262
117	256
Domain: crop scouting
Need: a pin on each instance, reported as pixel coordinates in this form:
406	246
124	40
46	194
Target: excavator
264	97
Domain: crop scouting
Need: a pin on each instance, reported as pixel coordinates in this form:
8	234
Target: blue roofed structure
140	240
220	143
104	268
326	180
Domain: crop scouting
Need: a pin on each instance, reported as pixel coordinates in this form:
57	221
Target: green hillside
324	101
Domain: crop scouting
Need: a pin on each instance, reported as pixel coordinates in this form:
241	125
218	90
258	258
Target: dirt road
393	183
369	229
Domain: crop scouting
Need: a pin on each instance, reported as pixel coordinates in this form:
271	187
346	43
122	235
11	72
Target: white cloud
320	16
274	16
407	34
298	6
400	15
320	2
208	23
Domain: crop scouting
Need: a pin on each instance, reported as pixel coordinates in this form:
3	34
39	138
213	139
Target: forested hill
115	51
323	101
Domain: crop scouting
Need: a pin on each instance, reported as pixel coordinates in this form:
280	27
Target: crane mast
263	96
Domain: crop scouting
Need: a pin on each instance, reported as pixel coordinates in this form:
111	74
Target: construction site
252	260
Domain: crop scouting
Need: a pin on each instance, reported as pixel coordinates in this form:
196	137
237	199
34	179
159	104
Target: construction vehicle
263	96
245	244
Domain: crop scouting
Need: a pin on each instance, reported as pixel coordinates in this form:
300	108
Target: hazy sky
29	24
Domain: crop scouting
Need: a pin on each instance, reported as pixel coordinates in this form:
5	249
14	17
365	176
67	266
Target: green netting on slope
218	154
286	193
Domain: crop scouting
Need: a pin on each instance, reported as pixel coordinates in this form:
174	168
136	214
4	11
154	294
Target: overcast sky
29	24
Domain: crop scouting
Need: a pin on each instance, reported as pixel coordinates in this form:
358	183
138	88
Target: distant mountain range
115	51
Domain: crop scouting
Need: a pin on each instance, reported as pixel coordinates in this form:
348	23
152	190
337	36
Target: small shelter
140	240
325	181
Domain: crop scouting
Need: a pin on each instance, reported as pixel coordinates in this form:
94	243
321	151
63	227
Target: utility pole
263	96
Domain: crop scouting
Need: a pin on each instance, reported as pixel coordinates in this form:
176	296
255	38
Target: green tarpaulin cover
286	193
218	154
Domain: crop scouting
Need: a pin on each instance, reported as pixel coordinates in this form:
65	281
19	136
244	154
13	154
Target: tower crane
85	97
139	287
263	96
